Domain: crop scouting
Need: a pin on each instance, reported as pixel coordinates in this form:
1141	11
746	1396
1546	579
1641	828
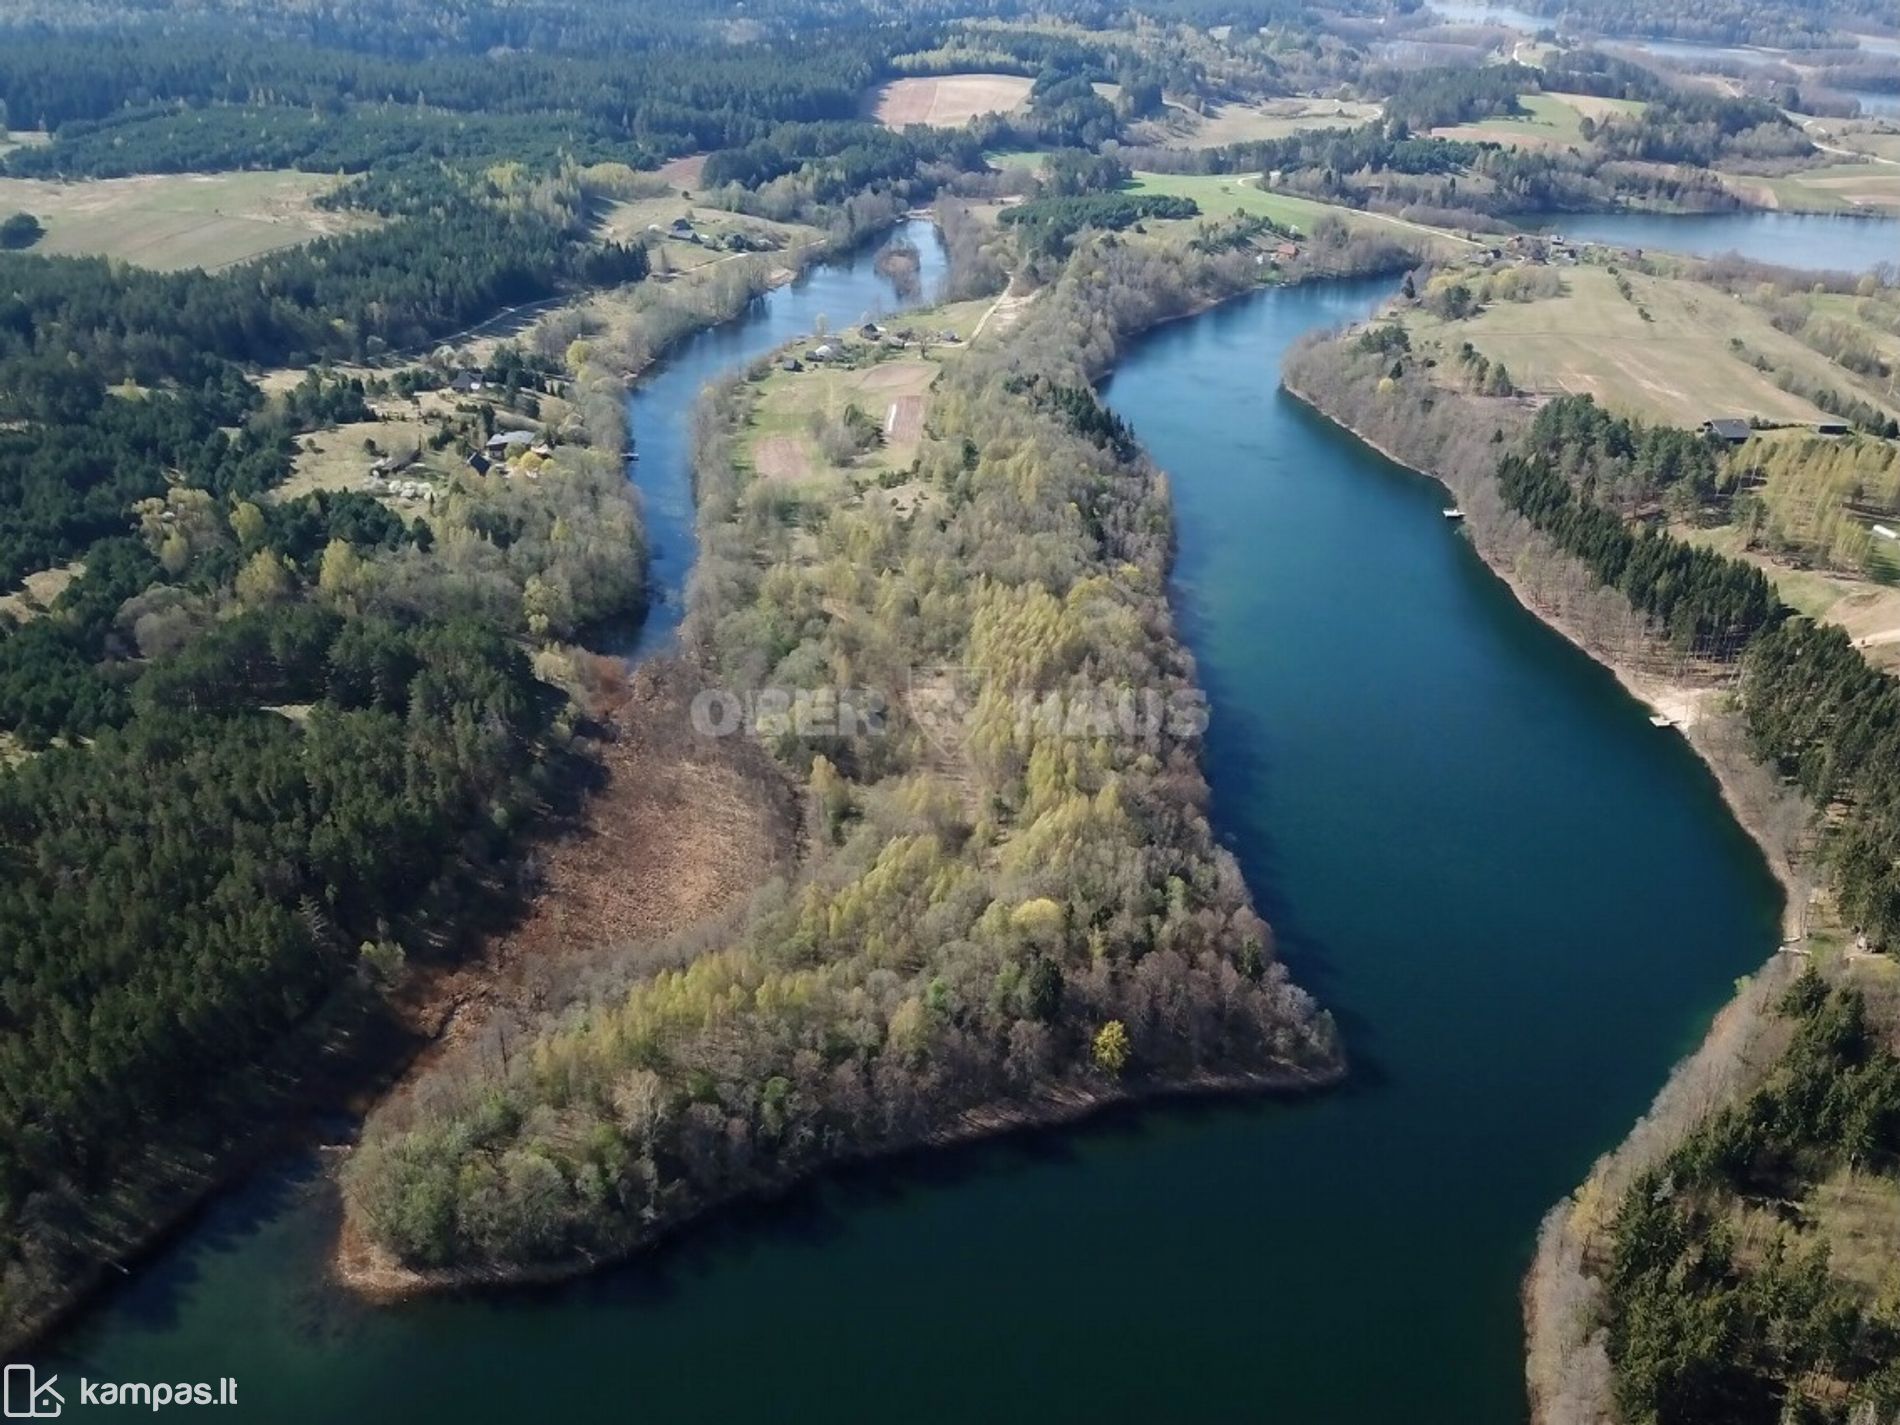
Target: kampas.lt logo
30	1398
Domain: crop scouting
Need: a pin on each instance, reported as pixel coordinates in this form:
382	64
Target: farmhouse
1732	429
508	441
466	383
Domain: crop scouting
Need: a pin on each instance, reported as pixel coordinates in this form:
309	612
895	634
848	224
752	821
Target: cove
1522	901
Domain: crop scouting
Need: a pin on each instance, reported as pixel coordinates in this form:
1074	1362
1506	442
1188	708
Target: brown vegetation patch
37	592
949	100
898	377
904	424
178	220
683	172
682	828
782	457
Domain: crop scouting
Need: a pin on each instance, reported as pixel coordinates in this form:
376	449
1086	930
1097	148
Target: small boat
1452	512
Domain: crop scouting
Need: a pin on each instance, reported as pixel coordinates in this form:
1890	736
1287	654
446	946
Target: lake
1521	899
1815	242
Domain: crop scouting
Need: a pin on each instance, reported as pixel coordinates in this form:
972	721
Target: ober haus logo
30	1398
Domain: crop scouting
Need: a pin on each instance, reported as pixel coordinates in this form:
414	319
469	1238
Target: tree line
1033	908
1701	1330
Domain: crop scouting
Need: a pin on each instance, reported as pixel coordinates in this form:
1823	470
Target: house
508	441
681	227
466	383
791	363
477	462
1286	252
870	331
1729	428
827	352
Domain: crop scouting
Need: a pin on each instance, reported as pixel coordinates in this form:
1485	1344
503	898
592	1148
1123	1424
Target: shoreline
369	1274
183	1193
1552	1345
1652	693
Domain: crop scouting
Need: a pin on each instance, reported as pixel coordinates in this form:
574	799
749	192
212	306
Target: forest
1705	1331
1018	918
1811	705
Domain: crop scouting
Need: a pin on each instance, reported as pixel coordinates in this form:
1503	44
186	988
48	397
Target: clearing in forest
1252	123
178	220
1549	120
1222	195
948	100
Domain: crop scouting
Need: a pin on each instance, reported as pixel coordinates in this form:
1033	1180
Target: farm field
174	221
949	100
892	394
1881	142
631	219
1223	194
1553	120
1249	123
1837	188
792	433
1675	365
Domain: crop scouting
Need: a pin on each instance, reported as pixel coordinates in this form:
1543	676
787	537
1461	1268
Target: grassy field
1029	158
1663	353
174	221
1867	612
1836	188
335	459
1222	195
630	220
1247	123
948	101
784	439
1553	120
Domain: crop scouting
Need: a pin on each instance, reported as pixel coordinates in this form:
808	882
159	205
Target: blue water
844	292
1811	241
1521	899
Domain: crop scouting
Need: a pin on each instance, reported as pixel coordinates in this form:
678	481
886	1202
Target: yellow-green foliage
1818	496
996	883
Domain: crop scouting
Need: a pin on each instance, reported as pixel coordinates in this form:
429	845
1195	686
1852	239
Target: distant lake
1811	241
1473	12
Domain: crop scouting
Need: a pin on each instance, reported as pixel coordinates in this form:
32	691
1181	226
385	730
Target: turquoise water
1521	900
